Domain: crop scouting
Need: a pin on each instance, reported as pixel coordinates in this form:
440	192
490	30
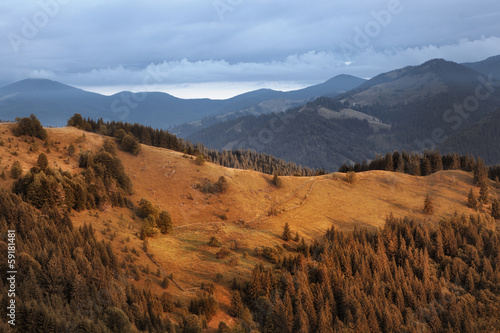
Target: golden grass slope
168	179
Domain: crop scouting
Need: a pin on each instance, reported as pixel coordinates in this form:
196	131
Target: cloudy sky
218	48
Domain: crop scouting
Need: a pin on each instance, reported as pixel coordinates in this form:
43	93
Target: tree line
424	164
239	159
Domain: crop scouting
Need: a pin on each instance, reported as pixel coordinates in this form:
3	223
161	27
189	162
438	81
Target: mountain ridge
403	109
56	102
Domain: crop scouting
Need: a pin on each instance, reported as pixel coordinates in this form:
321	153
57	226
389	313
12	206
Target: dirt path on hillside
265	216
262	216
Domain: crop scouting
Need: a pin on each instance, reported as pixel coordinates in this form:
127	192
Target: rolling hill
247	219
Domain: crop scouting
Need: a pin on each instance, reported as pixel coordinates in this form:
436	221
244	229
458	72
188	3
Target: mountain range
438	104
54	102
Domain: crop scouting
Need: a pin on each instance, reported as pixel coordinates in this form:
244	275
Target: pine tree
388	162
16	170
495	209
455	162
287	233
237	306
426	168
398	162
483	192
164	222
414	168
472	200
436	161
42	161
71	149
480	172
428	205
301	324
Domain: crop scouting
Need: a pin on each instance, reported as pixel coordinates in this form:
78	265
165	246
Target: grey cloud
113	42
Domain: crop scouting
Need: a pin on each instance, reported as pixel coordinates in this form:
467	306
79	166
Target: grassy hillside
247	219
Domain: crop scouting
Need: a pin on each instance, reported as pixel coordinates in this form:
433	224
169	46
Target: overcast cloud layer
216	48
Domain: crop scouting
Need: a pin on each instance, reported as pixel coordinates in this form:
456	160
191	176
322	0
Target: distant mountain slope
274	101
54	102
482	139
420	101
413	108
413	82
333	87
487	66
51	101
301	135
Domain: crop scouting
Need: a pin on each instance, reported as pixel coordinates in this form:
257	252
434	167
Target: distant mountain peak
35	84
489	66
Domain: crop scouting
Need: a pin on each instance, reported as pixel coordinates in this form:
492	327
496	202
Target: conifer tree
495	209
164	222
237	306
428	205
426	168
71	149
388	162
42	161
472	200
287	233
301	324
436	161
483	192
16	170
480	172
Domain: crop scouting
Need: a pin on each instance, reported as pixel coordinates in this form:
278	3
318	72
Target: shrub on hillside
16	170
80	123
42	161
30	126
130	144
164	222
222	253
277	181
146	208
214	242
350	177
200	160
207	186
